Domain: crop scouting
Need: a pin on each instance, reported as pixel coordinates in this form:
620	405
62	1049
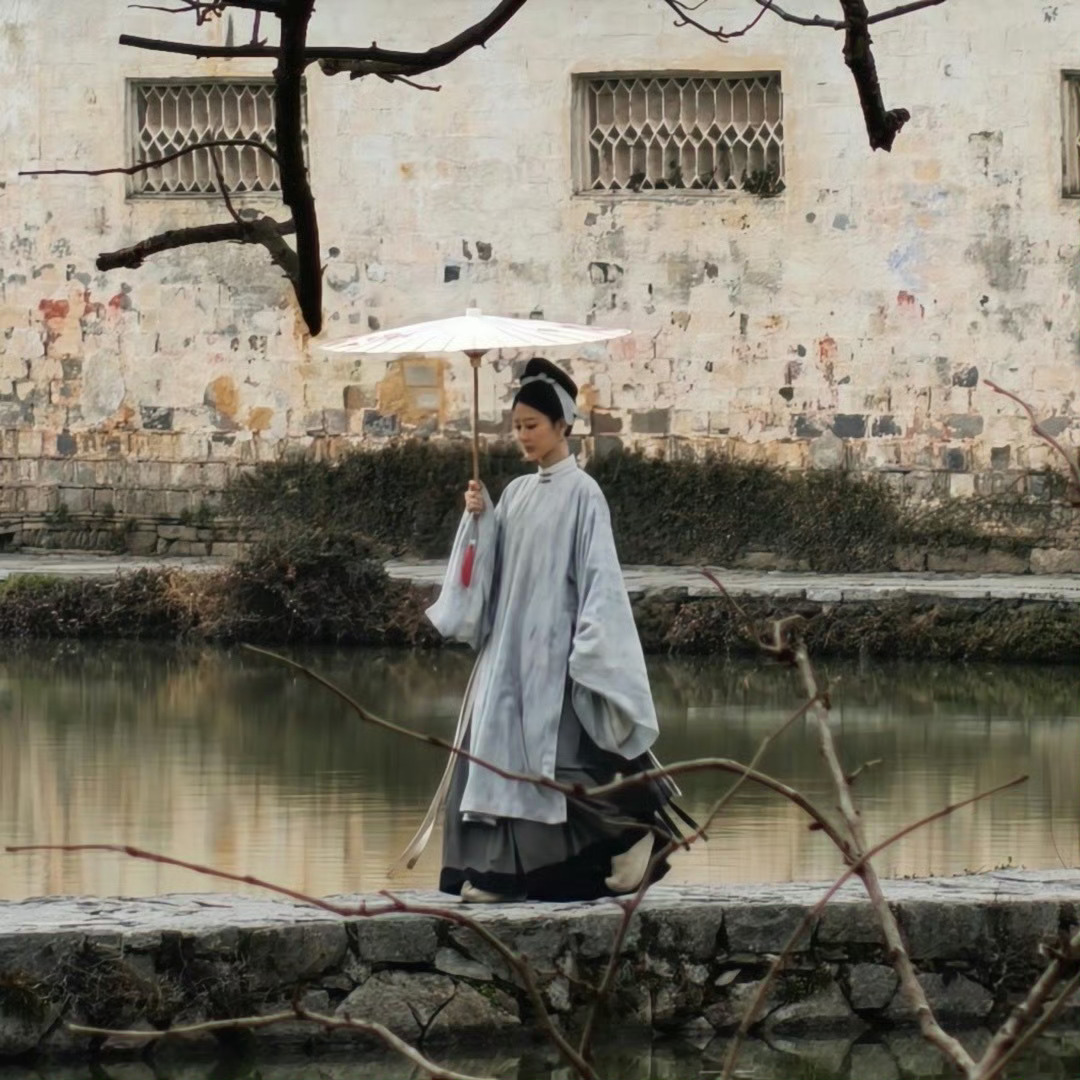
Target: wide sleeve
462	612
610	693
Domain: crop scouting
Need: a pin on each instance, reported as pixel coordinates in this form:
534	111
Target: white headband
569	409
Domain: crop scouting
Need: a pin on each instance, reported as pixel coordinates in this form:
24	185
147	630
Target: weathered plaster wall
874	293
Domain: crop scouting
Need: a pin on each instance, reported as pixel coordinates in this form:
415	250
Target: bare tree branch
802	20
720	34
841	24
631	905
295	187
951	1049
357	61
223	187
807	921
903	9
264	230
1028	1019
1072	462
157	163
297	1012
183	48
393	904
882	125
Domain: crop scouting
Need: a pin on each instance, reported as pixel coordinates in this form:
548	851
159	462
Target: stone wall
691	961
848	321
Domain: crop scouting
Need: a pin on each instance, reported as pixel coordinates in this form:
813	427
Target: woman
559	688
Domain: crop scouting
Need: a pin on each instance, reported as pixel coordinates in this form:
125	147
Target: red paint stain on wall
54	309
907	301
827	349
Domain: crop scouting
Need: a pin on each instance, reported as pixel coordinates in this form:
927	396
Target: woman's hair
539	392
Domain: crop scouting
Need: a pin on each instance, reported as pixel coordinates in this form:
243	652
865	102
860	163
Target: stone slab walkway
203	912
822	588
689	961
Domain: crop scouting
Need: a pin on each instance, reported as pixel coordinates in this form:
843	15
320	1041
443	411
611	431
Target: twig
264	230
856	868
932	1031
903	9
142	166
631	905
1027	1020
801	20
298	1012
223	187
522	968
572	791
361	61
720	34
1036	426
362	910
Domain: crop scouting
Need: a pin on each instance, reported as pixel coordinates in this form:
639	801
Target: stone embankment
692	960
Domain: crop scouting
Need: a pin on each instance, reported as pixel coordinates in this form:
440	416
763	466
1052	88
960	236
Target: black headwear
539	380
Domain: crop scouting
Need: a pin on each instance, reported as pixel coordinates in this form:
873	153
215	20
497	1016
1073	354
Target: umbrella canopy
473	332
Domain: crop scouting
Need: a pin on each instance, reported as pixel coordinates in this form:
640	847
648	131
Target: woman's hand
474	498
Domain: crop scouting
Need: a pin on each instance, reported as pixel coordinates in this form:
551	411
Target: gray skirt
567	861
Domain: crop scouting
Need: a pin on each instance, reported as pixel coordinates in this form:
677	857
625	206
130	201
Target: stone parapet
690	963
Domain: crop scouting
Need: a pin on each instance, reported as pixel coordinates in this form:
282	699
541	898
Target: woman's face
536	433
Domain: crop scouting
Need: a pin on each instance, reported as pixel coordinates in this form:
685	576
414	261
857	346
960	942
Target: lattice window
703	133
1070	147
171	115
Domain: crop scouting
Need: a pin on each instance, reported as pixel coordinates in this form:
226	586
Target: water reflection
229	759
900	1056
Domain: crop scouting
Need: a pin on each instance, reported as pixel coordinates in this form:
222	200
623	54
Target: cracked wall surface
848	321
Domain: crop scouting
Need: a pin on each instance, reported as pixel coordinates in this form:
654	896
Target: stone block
650	421
848	923
909	560
288	954
956	998
1055	561
226	549
178	532
141	542
728	1011
451	962
824	1009
871	986
401	939
405	1002
594	930
965	560
469	1012
762	927
936	931
961	485
691	932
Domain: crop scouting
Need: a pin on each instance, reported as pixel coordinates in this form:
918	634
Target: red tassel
467	564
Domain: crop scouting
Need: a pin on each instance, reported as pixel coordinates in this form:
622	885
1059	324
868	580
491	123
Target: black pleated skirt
567	861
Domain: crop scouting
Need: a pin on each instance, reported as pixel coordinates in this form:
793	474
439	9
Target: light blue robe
547	601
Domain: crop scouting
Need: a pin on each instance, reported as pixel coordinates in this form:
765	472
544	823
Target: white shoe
628	869
470	894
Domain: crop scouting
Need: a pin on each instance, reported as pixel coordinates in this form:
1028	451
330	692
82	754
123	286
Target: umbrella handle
474	359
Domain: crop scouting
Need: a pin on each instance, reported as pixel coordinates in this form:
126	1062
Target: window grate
1070	146
708	133
171	115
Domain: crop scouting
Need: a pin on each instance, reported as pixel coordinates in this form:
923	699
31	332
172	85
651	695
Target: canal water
230	759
